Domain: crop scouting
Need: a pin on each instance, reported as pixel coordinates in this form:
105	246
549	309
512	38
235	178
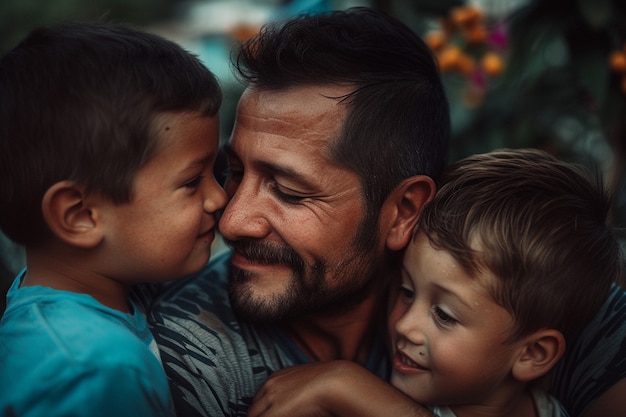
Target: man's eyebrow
273	168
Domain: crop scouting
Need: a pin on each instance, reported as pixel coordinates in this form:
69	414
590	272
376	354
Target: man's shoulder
196	312
595	361
214	274
215	363
203	292
204	288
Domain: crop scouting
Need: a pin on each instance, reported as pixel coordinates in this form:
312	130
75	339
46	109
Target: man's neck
347	336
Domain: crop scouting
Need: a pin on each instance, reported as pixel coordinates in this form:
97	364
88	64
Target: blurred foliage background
548	74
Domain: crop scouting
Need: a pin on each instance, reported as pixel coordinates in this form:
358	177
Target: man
325	189
339	140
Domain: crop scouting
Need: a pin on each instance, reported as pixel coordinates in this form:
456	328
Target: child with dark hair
108	136
509	262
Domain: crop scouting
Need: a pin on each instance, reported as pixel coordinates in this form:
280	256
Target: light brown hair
539	225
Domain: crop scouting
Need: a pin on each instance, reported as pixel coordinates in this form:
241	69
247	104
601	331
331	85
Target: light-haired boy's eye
406	294
442	317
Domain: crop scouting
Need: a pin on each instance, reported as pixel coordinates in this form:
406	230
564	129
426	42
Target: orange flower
617	61
466	16
492	64
435	40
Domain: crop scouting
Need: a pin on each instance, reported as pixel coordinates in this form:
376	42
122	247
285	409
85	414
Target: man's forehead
298	101
280	155
301	116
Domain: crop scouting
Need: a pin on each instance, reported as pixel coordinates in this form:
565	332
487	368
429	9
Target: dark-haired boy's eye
194	183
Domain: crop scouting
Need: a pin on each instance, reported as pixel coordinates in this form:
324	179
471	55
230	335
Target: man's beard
308	291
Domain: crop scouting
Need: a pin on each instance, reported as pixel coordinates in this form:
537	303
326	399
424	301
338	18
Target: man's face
294	215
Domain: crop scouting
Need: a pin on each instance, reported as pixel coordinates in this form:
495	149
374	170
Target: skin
449	338
164	232
337	388
292	220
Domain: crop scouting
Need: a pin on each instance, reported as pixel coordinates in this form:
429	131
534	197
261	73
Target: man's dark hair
398	118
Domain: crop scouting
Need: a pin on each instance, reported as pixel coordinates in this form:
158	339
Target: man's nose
244	216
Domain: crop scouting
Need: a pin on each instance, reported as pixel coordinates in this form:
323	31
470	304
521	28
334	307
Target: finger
258	407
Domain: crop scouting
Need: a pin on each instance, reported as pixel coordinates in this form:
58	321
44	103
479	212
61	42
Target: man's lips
405	365
243	262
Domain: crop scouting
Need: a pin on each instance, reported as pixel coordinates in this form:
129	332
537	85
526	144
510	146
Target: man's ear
540	352
70	216
403	207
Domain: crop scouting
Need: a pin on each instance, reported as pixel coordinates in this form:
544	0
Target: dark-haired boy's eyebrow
199	162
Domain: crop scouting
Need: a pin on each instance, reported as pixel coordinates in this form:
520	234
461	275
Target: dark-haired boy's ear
403	207
540	352
70	216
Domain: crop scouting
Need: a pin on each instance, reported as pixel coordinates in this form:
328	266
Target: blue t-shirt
64	353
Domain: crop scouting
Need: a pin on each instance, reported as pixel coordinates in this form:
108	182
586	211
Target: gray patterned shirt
216	363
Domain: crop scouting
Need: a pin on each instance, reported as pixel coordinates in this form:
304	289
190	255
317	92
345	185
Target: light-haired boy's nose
411	325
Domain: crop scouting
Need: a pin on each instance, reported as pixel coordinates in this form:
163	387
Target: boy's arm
337	388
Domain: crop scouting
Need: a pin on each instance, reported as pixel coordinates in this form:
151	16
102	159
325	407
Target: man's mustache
267	253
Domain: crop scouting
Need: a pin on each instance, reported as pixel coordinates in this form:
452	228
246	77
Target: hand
303	390
337	388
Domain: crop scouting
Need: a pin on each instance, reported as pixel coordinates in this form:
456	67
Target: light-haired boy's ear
69	216
403	207
540	352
